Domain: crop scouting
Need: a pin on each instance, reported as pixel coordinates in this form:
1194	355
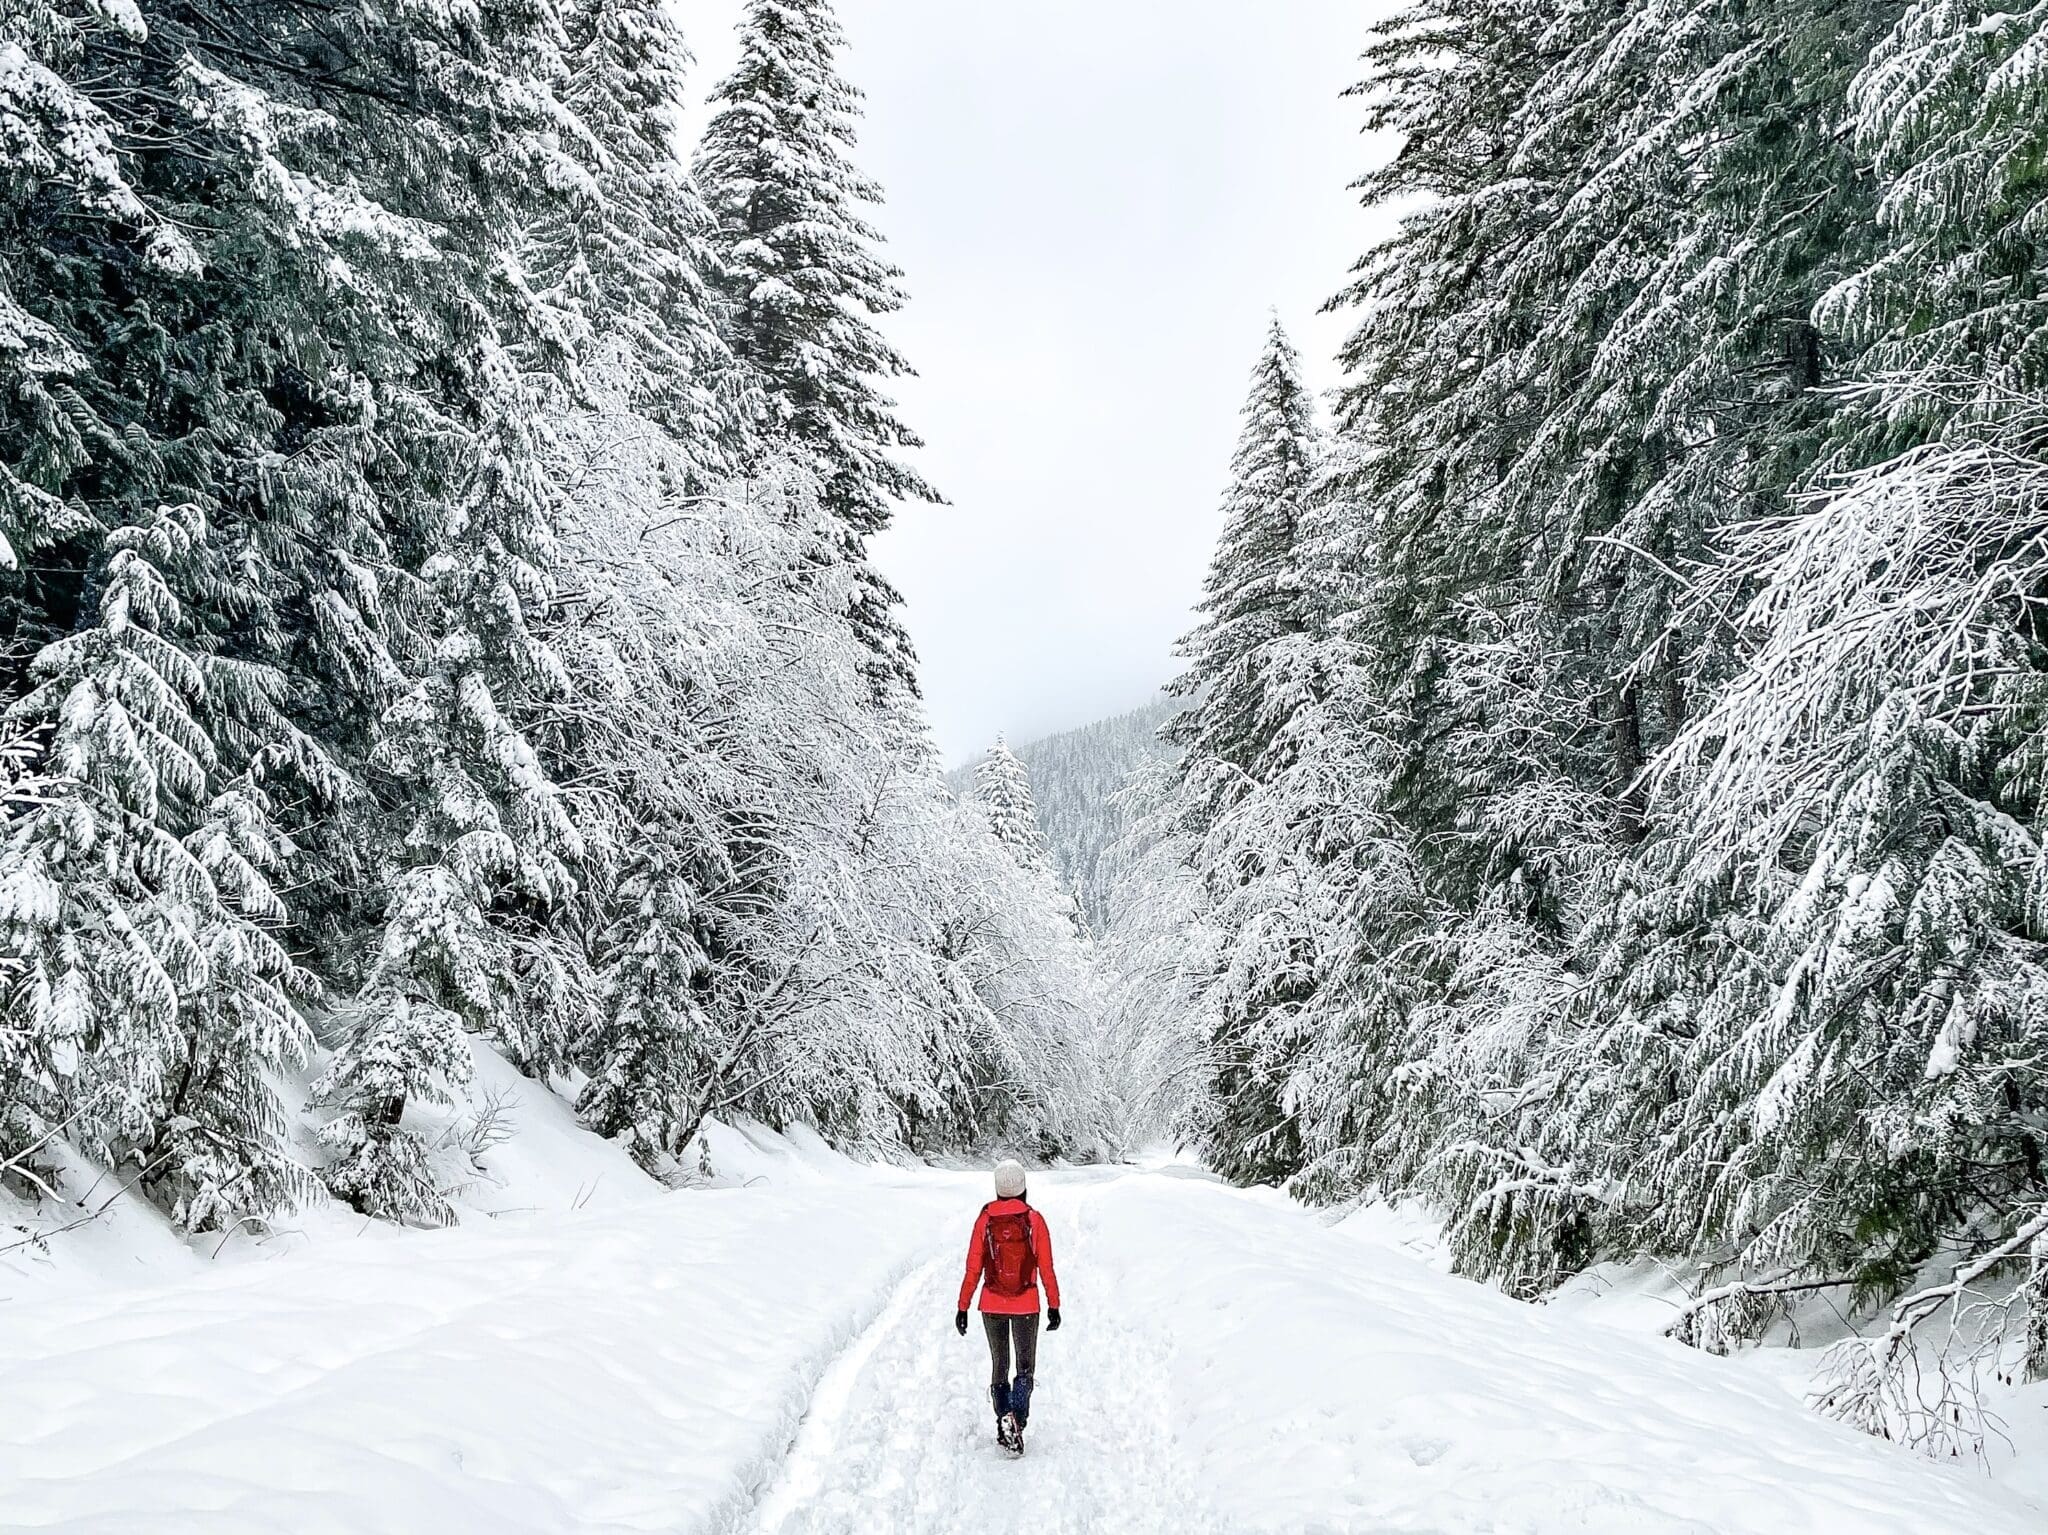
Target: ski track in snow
901	1436
811	1455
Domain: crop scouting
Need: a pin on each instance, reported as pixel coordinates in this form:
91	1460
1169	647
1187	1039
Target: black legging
1002	1332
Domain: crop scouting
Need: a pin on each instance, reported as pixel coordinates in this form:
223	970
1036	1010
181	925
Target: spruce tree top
627	254
1002	788
1252	596
798	273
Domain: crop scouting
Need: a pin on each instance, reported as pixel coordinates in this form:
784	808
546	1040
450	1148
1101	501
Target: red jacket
1025	1302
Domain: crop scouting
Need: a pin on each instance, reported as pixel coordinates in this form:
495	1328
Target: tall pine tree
800	283
625	257
1002	788
1245	680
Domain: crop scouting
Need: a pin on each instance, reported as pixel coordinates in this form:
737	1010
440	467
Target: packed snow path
903	1423
783	1360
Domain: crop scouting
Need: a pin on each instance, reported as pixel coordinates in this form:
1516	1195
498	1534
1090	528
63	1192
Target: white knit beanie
1009	1179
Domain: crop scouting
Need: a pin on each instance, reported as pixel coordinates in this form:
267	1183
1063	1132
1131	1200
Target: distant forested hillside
1075	776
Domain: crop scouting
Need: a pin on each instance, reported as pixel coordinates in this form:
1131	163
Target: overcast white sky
1095	204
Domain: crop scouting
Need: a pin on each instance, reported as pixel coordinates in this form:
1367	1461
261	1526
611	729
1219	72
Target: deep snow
1639	1300
781	1358
631	1371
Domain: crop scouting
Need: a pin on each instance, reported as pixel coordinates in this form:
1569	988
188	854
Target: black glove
1052	1319
960	1322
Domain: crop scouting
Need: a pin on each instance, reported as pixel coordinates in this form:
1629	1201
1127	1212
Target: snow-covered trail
1228	1364
903	1439
782	1361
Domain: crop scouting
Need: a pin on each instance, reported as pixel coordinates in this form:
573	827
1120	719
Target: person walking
1009	1253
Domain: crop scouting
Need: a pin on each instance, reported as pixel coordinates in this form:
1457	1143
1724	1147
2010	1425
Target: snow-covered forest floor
777	1355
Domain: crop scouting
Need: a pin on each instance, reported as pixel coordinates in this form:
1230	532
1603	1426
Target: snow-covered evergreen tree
155	1000
480	847
1077	779
488	844
1002	792
800	284
1949	105
1253	605
627	257
1861	801
1590	348
1870	909
1249	670
223	568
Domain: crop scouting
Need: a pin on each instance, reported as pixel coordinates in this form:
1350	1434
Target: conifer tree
651	1057
158	1004
1593	348
1949	105
171	561
1253	606
1245	681
477	849
1728	987
1002	788
800	283
1874	912
1590	348
315	444
625	257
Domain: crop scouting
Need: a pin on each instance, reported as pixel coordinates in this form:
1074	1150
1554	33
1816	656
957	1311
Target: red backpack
1010	1261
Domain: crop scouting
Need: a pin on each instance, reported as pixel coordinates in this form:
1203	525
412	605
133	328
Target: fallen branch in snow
18	1165
1699	1322
228	1234
1876	1384
41	1239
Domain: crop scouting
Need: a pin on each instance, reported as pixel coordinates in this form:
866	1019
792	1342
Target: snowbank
508	1150
642	1369
1323	1382
588	1351
1641	1299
